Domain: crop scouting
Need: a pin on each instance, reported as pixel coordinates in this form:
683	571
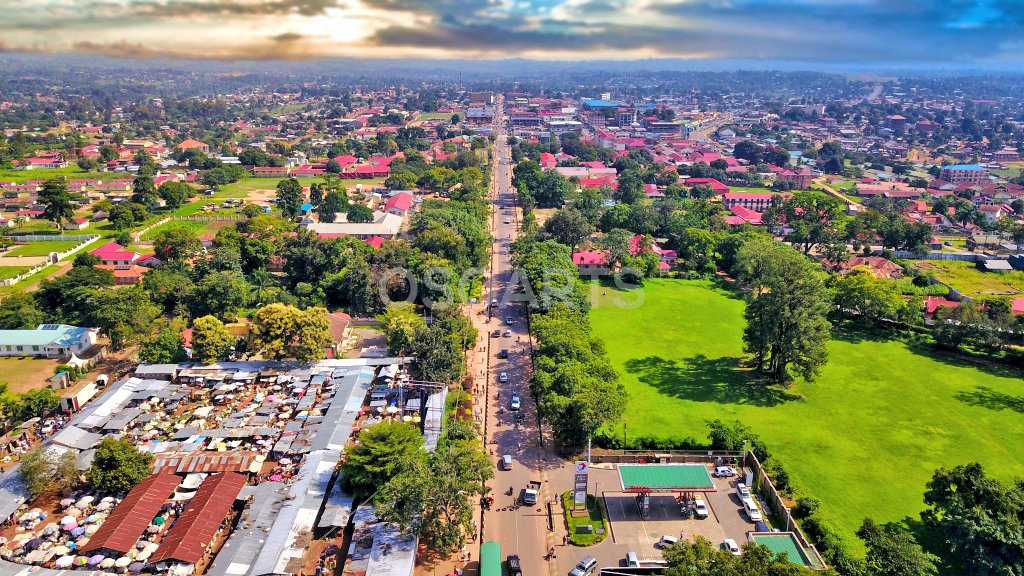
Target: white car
724	472
753	512
503	377
742	491
731	546
516	404
508	220
700	508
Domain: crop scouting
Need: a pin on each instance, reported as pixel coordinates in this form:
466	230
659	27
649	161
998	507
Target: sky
885	32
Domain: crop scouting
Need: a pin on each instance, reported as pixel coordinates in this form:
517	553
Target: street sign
579	495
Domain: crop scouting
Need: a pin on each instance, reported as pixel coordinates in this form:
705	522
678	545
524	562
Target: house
271	171
114	253
341	329
994	265
125	274
667	258
743	215
78	224
384	225
47	341
879	267
399	204
43	162
712	183
194	145
933	303
964	173
1006	155
992	212
591	263
756	201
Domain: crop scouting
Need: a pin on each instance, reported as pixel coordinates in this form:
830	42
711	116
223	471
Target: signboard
580	484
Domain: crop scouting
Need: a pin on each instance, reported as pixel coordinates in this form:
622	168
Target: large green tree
211	340
786	328
385	450
47	470
176	243
568	226
701	558
281	331
400	322
143	190
289	197
56	201
893	551
118	466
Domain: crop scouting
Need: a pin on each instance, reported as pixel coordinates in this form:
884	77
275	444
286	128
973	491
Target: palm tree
260	282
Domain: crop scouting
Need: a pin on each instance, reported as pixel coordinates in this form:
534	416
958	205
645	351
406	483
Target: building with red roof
132	516
745	216
712	183
933	303
756	201
399	204
114	253
591	263
125	274
191	144
197	526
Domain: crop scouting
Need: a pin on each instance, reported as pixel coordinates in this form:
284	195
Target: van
631	560
514	567
667	541
506	462
753	512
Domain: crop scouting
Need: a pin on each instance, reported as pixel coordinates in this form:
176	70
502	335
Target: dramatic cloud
884	31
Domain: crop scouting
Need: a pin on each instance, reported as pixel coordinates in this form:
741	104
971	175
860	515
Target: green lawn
965	277
864	438
438	115
72	172
12	271
42	248
198	226
594	517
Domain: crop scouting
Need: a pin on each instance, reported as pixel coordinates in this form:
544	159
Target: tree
400	322
117	466
434	496
359	213
211	340
866	299
143	190
785	312
38	403
289	197
568	226
87	164
812	217
19	310
701	558
56	201
439	354
697	247
176	243
385	450
221	294
281	331
175	194
47	471
334	201
125	314
86	259
979	518
893	551
333	166
163	348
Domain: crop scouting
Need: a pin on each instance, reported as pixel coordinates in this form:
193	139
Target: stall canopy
198	524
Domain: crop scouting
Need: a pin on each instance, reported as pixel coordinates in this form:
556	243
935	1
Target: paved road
523	531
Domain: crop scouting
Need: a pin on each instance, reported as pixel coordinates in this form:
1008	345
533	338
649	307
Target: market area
244	478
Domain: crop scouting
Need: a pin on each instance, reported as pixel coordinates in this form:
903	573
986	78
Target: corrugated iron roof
198	524
130	518
204	462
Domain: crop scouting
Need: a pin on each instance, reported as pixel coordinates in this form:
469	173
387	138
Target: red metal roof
130	518
204	462
198	524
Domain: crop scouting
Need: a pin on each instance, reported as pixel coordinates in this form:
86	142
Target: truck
75	401
531	492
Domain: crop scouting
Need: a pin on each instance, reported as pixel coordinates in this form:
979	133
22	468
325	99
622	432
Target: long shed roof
132	516
198	524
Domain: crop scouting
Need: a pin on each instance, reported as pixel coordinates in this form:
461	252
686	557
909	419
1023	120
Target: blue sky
885	32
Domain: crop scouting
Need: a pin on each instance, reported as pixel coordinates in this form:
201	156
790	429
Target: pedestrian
565	539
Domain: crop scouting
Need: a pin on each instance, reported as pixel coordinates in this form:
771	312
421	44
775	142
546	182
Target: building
625	116
46	162
964	173
756	201
194	145
125	274
479	116
591	263
399	204
1006	155
47	341
712	183
271	171
113	253
384	225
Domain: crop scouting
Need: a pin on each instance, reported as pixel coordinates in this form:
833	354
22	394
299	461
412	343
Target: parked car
503	354
514	567
508	220
515	404
753	512
496	333
494	303
509	320
506	462
508	333
742	491
667	541
731	546
585	567
700	508
503	377
724	472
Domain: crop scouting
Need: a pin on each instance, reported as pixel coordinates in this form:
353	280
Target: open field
42	248
25	374
970	281
864	438
439	115
198	226
12	271
72	172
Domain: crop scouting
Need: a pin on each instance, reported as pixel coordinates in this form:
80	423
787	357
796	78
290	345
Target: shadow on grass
933	543
722	380
985	397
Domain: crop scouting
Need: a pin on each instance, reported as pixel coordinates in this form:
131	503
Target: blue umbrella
78	531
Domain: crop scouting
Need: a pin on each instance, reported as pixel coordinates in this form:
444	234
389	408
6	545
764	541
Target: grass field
197	226
72	172
25	374
864	438
42	248
438	115
965	277
12	271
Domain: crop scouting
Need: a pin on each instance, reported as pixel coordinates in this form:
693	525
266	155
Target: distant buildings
964	173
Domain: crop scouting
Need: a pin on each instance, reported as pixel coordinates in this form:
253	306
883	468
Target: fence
764	486
52	237
962	257
197	218
19	278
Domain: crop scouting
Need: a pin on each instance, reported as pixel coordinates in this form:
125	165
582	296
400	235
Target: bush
596	518
806	506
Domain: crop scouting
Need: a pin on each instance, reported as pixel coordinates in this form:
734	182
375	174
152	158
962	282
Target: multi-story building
964	173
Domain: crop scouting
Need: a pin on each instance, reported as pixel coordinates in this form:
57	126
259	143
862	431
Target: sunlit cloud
805	30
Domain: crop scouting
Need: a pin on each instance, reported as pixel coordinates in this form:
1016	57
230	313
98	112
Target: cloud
889	31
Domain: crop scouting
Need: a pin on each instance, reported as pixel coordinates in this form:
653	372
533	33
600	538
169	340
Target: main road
522	530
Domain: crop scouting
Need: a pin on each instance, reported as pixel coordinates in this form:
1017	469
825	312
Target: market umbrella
91	529
103	506
276	478
144	555
96	559
122	562
141	544
84	501
60	550
136	567
68	520
3	540
73	511
150	548
153	529
50	528
81	560
107	563
107	499
32	544
64	562
70	527
159	521
90	519
167	507
78	531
